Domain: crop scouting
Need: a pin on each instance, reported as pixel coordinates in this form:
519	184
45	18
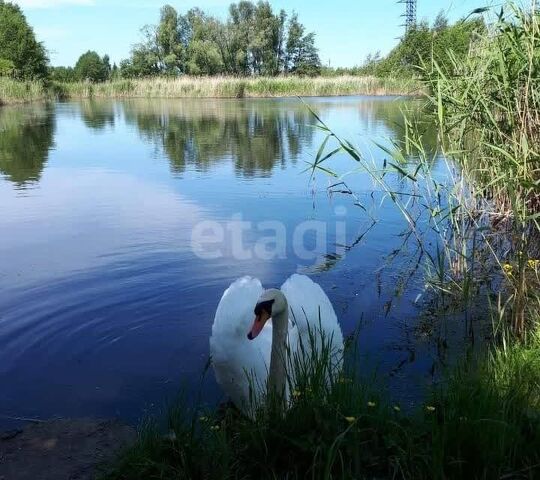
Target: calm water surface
105	306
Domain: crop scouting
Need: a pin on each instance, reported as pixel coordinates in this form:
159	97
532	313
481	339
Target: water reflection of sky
105	309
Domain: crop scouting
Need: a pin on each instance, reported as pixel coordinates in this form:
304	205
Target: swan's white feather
236	359
309	305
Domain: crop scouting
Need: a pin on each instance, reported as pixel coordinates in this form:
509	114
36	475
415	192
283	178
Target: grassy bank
209	87
12	91
482	422
230	87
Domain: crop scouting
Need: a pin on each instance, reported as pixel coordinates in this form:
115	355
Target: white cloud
51	3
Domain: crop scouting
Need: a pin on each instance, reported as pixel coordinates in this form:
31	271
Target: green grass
488	425
12	91
233	87
482	422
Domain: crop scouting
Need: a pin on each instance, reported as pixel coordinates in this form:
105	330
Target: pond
122	222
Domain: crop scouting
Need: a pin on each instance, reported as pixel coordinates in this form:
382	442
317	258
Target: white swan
247	351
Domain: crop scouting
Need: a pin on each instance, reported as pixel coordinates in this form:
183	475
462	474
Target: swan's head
271	302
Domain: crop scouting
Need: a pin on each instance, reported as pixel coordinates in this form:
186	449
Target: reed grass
488	111
485	209
237	87
12	91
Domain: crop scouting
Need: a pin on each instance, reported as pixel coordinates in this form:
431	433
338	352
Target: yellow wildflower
430	408
350	419
507	268
533	264
371	404
214	427
396	408
296	393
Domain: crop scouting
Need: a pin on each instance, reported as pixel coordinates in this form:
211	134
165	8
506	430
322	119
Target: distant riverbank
208	87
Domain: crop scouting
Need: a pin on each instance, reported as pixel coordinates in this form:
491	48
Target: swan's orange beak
258	324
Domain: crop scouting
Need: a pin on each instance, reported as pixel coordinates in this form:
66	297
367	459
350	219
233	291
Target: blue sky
347	30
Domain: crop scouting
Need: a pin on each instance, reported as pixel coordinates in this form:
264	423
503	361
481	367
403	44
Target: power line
410	13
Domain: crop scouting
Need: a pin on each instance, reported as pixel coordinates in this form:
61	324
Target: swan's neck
277	377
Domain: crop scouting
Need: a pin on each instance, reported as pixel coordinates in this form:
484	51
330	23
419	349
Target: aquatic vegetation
239	87
14	91
484	208
488	110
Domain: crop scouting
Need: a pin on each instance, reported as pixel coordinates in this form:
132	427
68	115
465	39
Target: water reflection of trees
26	136
97	114
375	112
252	135
255	136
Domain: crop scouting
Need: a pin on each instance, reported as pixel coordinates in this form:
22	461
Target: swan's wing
309	306
234	357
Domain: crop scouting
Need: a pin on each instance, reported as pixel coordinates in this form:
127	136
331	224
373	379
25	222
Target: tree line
251	40
421	43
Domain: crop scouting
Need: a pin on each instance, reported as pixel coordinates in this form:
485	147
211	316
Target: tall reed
238	87
488	112
13	91
485	211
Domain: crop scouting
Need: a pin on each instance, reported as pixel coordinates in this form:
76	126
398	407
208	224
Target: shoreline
14	93
62	448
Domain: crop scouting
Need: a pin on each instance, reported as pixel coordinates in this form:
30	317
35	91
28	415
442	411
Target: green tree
241	24
92	67
62	74
265	41
145	58
204	58
19	46
168	41
107	64
424	43
441	22
252	41
302	56
115	72
7	68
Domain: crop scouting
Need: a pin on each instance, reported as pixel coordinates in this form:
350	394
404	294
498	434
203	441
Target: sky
347	30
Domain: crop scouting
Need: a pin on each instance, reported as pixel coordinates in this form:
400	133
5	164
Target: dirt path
61	449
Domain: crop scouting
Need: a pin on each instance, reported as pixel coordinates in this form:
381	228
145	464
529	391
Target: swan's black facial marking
263	311
265	306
